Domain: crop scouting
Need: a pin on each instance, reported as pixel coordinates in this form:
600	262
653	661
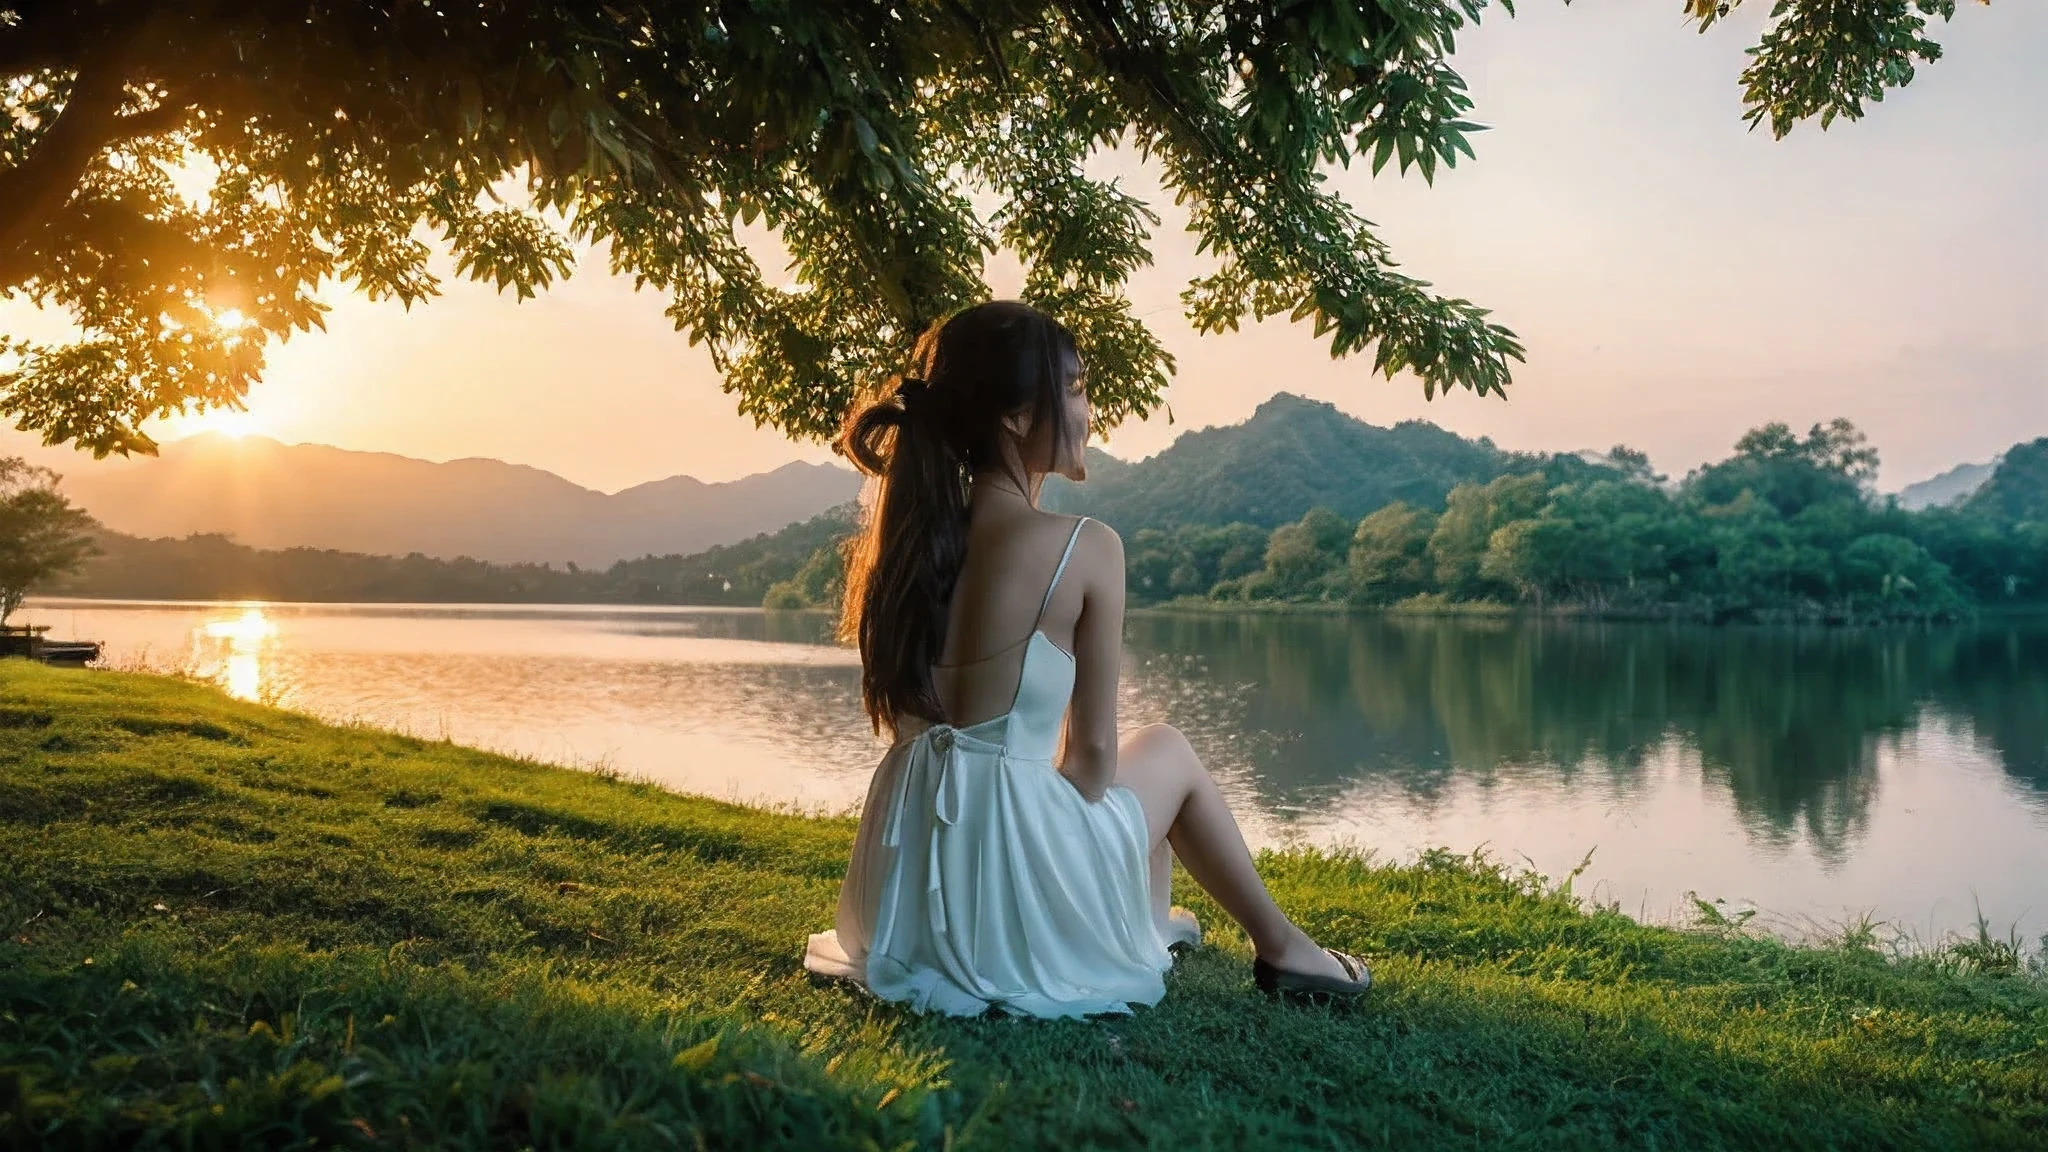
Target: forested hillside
2017	492
1786	528
1293	454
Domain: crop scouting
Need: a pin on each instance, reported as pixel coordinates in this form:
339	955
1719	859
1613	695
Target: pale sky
1675	278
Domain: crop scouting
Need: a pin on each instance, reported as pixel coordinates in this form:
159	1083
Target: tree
820	583
1894	576
1472	513
328	135
1302	555
2017	492
1388	559
1833	463
1532	556
41	533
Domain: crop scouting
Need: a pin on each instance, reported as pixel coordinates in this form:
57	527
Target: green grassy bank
225	924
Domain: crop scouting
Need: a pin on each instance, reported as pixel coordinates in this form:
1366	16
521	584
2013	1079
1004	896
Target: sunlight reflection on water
231	652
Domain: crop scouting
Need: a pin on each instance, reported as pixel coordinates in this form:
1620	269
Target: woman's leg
1185	811
1162	879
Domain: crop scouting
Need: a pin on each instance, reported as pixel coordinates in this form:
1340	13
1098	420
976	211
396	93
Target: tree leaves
855	131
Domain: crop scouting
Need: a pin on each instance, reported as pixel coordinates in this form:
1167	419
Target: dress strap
1047	602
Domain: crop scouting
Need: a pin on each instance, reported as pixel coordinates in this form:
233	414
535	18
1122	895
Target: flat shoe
1277	983
1181	929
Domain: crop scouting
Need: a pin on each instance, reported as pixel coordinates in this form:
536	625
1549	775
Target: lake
1815	775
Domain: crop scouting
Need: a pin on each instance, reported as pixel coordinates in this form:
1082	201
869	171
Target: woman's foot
1181	929
1317	989
1306	957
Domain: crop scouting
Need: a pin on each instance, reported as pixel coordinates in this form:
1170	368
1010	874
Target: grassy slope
221	919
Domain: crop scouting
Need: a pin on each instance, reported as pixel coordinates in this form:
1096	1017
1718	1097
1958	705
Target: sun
233	422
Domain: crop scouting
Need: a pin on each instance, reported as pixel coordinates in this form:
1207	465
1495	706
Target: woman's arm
1090	761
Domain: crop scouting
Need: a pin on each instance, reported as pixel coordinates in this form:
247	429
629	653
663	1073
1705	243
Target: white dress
982	879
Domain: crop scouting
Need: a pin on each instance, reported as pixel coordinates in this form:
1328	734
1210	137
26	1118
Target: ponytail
921	442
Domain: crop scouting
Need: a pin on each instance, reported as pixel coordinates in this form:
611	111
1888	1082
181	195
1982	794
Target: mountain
2017	492
271	495
210	567
1952	485
1291	455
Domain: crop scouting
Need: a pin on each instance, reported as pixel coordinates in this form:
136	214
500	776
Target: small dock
27	640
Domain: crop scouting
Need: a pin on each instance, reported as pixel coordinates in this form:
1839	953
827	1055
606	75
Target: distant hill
2017	491
1948	487
212	567
1291	455
271	495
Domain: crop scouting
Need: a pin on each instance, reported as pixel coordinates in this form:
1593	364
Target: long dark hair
923	436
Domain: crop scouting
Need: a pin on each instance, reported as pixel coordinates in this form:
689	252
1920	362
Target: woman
1014	855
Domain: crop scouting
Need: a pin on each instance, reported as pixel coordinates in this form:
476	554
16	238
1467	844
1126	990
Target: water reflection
1789	724
232	652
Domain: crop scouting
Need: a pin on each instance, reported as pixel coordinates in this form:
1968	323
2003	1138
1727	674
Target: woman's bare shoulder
1099	550
1099	538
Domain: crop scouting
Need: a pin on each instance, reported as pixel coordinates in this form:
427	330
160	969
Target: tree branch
165	117
42	184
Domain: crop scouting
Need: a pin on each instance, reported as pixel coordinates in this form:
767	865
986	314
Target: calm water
1816	775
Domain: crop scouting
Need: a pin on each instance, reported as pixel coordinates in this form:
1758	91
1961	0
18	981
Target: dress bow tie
931	769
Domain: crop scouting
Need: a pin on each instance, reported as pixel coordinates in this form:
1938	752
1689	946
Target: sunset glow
225	421
237	645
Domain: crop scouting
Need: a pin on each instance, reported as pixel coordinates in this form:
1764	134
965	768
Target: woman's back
1017	695
1010	631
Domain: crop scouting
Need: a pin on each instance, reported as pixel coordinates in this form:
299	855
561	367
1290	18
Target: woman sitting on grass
1013	853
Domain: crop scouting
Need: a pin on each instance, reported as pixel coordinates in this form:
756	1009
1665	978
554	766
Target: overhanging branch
33	191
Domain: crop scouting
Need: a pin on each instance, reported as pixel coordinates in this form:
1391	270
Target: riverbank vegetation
226	922
1785	529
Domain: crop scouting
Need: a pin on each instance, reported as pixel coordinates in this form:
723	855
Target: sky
1675	278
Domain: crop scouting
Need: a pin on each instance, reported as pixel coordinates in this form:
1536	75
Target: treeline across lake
1786	528
213	567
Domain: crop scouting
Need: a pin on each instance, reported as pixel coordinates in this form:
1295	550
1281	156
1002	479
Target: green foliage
1826	59
1389	557
820	583
1305	559
1785	528
2017	493
1291	455
1165	563
228	924
1472	514
329	136
41	534
1831	464
1891	573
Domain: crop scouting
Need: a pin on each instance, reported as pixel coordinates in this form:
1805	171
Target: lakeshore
225	919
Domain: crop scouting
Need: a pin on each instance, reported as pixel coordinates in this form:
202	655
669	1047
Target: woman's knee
1166	754
1161	738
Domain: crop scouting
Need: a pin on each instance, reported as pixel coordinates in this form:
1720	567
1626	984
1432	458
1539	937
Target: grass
226	924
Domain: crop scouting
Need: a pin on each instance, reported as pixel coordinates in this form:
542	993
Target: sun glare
224	421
